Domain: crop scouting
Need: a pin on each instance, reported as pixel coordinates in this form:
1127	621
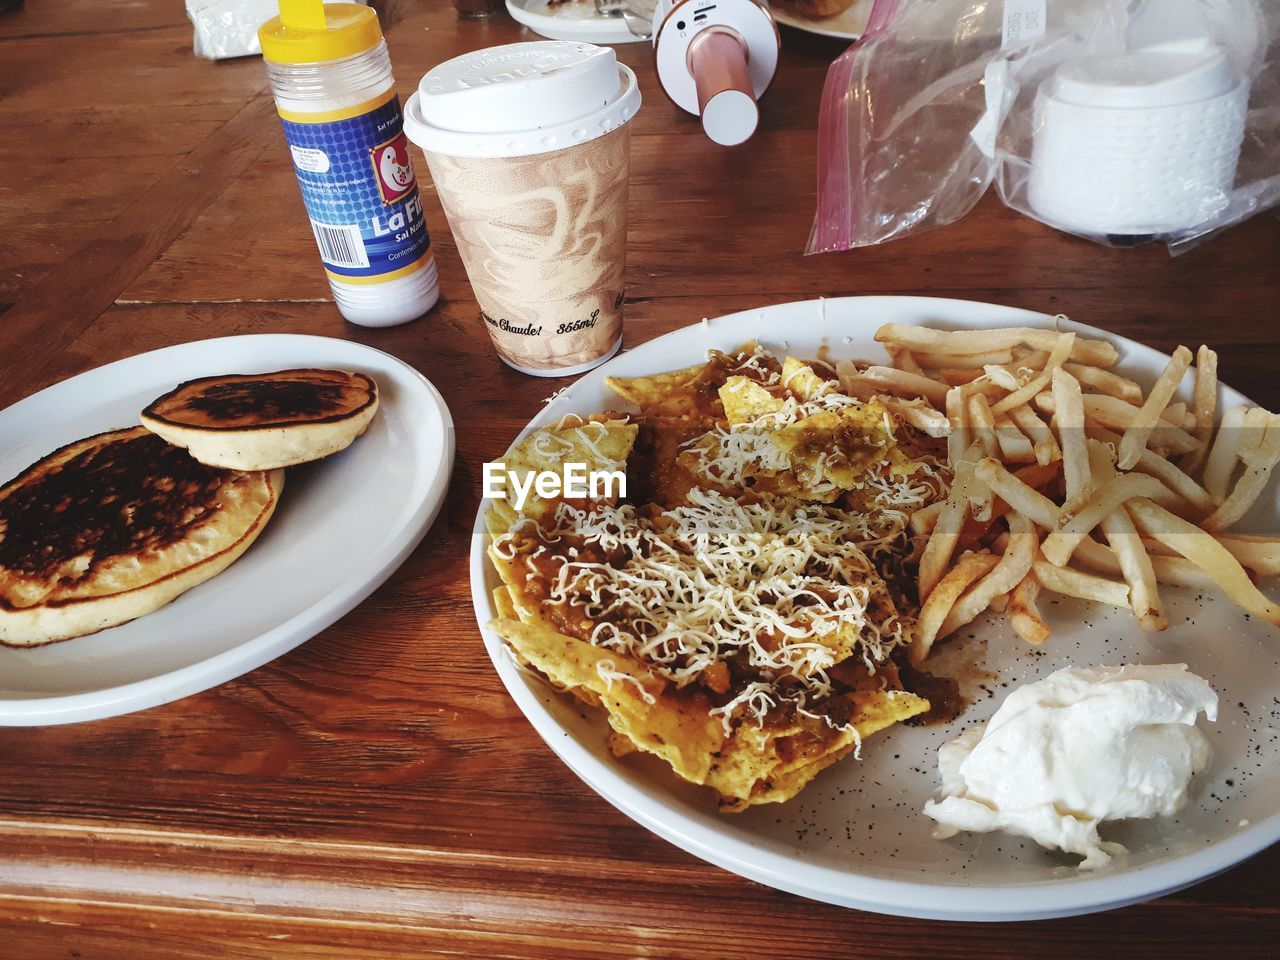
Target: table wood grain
375	793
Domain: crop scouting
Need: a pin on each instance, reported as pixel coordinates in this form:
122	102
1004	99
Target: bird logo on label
392	168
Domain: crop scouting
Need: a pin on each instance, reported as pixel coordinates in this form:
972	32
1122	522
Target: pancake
265	421
112	527
817	9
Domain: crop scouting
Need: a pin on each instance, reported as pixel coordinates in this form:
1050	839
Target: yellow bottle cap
311	31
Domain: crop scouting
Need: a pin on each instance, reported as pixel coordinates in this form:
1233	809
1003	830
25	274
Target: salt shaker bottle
331	76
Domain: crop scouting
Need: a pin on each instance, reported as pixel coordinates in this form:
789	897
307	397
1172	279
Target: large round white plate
574	20
855	836
846	25
342	526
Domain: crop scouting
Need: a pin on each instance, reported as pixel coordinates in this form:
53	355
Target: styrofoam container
1145	142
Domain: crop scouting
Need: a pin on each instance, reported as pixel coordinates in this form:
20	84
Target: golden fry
903	384
1015	563
1020	496
1077	583
1015	446
1024	614
1068	417
1046	447
1164	470
1027	392
1260	454
917	339
1204	403
1259	554
1207	553
1224	455
1104	381
958	438
983	425
1148	416
967	569
1107	498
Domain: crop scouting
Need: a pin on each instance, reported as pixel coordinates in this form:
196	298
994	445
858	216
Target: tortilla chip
799	378
692	391
499	518
744	400
641	707
753	755
765	766
503	604
751	765
655	473
670	394
599	444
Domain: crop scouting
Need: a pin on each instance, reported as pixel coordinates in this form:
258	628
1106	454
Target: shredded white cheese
609	672
778	585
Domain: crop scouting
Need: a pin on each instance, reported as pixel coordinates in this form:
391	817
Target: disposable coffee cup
529	148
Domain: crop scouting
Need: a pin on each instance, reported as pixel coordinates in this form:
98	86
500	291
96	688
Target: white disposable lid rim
1172	74
522	143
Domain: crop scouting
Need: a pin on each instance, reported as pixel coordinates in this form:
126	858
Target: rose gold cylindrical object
718	61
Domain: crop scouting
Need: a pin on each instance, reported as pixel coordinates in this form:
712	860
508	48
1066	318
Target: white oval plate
855	836
575	20
342	526
846	25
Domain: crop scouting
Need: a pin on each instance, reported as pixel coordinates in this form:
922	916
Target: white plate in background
573	20
846	25
855	836
342	527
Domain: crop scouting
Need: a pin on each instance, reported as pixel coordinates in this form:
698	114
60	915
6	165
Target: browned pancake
263	401
815	8
110	527
265	421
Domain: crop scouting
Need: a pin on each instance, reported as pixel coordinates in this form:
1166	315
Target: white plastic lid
1168	74
521	99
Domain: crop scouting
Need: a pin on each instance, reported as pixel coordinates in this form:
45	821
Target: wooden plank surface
375	793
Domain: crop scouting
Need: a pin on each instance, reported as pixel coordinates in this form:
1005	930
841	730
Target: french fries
1104	381
1134	562
1128	489
1014	565
1165	471
942	600
1259	452
1099	353
1138	432
983	425
1208	554
1023	613
1259	554
958	438
1107	499
1076	583
1204	406
1068	416
1045	446
1027	392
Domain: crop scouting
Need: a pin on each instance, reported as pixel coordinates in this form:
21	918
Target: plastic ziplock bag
1117	120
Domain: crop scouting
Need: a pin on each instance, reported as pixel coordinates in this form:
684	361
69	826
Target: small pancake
265	421
815	8
114	526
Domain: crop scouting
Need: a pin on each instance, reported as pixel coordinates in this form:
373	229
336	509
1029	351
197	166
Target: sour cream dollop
1079	747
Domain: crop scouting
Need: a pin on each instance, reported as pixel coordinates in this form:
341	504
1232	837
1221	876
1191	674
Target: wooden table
375	793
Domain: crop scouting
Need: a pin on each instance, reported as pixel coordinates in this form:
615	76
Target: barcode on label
1024	22
340	246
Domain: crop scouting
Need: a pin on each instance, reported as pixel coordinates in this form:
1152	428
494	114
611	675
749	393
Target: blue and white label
360	191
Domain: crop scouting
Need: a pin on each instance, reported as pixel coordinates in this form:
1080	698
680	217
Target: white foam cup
529	147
